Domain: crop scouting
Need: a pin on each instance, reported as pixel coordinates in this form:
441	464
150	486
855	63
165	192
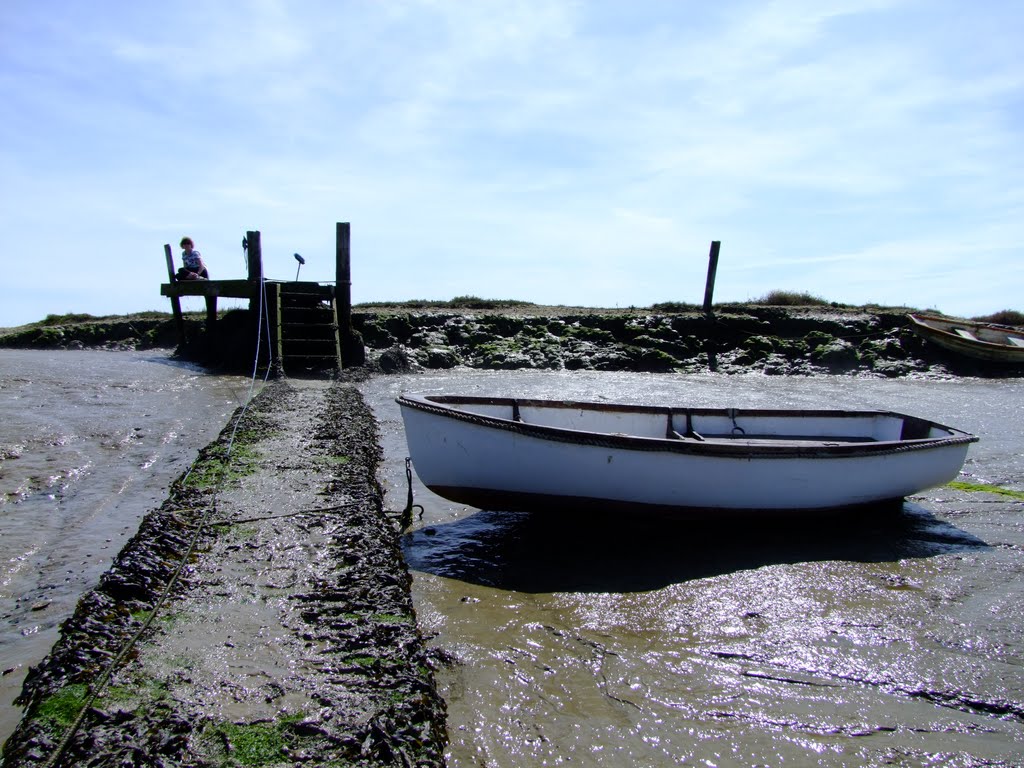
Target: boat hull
502	464
981	341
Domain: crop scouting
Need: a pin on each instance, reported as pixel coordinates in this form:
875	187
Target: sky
564	152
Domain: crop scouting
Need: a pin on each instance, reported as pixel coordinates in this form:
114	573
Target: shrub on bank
1004	317
669	307
75	318
791	299
51	320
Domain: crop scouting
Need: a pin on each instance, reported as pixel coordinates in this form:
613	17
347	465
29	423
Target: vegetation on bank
776	298
1004	317
139	330
770	299
73	317
459	302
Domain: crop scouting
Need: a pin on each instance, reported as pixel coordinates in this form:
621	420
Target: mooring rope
406	519
299	513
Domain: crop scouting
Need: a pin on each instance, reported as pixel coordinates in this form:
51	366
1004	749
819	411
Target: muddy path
261	616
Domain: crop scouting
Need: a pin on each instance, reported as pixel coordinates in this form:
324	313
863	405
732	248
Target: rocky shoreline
782	341
773	340
261	616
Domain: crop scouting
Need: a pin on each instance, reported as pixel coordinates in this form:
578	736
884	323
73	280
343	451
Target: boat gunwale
742	448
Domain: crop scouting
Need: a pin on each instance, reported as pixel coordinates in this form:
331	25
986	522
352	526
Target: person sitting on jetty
194	267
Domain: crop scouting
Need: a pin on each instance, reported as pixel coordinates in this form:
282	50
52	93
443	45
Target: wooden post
709	288
343	278
276	350
254	260
211	314
179	321
255	254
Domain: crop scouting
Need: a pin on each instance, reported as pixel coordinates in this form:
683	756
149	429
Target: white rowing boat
524	455
982	341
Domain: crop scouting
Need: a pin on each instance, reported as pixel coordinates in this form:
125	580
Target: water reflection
572	553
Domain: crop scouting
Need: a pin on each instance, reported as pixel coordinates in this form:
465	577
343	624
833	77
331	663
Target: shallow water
589	642
89	442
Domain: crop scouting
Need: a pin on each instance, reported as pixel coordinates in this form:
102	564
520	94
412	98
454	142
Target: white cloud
573	152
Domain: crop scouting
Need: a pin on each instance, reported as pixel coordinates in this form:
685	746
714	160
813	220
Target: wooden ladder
307	337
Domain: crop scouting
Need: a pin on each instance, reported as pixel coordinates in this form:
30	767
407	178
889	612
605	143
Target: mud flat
261	616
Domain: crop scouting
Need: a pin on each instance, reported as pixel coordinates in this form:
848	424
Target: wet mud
891	638
261	616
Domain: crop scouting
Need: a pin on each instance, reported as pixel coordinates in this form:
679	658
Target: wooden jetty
308	324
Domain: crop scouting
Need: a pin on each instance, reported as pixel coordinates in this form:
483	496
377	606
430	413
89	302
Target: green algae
256	744
59	711
228	461
253	743
391	618
138	696
985	488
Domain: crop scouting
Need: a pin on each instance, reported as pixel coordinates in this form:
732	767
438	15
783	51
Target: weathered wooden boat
982	341
525	454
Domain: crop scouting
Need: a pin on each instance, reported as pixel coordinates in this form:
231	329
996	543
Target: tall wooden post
709	288
275	350
353	352
254	262
255	256
257	300
343	277
179	321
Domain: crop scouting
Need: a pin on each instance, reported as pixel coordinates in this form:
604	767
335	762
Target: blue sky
577	153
